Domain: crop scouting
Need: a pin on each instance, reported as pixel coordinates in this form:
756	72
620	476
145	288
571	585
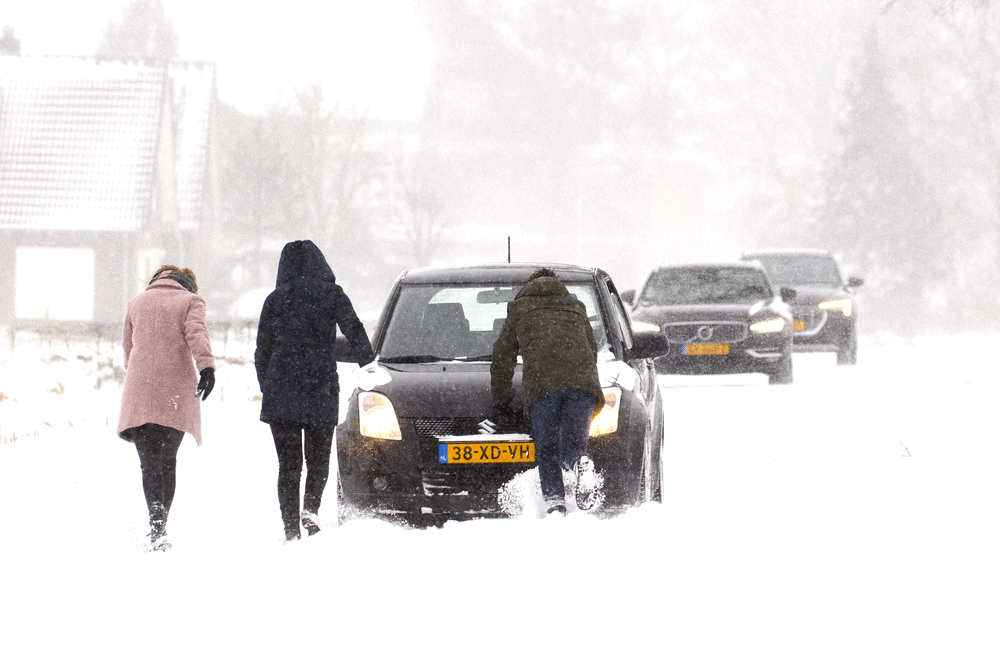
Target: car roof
751	264
787	251
495	273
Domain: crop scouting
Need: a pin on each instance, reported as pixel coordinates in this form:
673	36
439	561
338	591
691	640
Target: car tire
343	515
783	374
657	453
848	354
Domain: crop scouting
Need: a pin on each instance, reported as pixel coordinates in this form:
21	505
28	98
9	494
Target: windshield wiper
430	358
415	359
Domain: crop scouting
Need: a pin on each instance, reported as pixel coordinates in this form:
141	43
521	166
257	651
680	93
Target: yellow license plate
799	325
706	348
487	452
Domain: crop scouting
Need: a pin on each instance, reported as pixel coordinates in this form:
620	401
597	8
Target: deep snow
849	518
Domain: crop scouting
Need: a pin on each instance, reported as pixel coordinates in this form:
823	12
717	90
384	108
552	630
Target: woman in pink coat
164	330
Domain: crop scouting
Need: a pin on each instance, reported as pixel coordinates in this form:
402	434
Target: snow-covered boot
555	506
310	522
158	540
586	483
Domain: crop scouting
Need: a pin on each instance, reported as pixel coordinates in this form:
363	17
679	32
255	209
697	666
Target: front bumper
819	330
404	479
757	359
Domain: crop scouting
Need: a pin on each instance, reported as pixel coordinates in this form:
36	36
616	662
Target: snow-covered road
849	518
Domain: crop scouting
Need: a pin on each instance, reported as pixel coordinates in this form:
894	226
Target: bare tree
144	31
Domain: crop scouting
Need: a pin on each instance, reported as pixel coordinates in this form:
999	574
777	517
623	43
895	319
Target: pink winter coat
164	330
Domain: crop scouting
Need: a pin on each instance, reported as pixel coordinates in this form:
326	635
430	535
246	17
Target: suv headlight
768	326
606	420
378	418
840	304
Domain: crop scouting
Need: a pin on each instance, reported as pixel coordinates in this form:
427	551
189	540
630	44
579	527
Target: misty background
633	133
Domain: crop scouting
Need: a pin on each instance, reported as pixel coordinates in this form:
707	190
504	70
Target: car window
462	321
706	285
620	315
791	270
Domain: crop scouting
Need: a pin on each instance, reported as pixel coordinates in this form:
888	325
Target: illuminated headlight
840	304
378	418
768	326
645	326
606	420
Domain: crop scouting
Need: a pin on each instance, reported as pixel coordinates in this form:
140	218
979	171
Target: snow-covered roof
79	140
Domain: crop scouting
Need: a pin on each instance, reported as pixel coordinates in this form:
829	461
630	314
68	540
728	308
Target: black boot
310	522
310	513
158	540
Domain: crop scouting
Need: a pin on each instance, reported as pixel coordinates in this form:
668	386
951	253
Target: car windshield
706	285
461	322
791	270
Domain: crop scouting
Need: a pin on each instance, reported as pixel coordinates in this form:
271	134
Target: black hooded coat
295	361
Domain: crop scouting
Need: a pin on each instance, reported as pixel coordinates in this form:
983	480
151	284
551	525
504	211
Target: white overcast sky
369	53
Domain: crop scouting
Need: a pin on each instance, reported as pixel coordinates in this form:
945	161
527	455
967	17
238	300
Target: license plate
706	348
487	452
799	325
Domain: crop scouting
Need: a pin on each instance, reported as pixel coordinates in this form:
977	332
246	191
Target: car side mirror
628	296
854	282
787	294
648	345
344	352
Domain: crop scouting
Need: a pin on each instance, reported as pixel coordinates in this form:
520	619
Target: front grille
456	480
705	332
428	429
812	320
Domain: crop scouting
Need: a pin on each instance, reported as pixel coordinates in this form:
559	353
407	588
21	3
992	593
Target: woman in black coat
297	372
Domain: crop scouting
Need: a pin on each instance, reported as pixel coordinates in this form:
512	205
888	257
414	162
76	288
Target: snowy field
848	519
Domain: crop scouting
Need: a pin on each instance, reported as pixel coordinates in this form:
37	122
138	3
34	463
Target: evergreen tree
145	31
879	211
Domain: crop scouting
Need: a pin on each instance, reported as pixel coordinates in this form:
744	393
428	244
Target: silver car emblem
704	332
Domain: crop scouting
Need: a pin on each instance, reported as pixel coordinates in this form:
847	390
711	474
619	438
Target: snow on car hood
370	376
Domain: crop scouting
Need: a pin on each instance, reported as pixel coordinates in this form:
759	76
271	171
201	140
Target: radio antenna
508	250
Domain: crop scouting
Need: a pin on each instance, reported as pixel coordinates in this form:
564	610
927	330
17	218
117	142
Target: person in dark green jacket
562	392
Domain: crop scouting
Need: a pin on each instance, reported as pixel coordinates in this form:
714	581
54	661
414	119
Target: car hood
696	312
444	389
462	389
810	295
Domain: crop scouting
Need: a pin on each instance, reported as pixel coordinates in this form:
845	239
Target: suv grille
812	320
705	332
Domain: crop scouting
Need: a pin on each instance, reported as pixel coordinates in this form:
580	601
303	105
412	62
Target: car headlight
768	326
606	420
840	304
378	418
645	326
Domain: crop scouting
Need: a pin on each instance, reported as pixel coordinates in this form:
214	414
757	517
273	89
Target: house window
54	284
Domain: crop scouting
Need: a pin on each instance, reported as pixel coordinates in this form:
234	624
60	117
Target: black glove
504	418
206	383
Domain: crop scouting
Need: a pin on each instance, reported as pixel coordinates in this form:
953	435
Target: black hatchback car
719	318
411	447
825	308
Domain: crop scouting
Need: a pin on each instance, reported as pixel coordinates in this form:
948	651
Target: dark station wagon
411	447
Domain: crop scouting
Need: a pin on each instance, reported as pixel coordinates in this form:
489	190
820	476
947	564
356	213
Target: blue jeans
560	422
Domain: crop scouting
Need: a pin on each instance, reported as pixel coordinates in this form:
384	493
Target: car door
643	367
